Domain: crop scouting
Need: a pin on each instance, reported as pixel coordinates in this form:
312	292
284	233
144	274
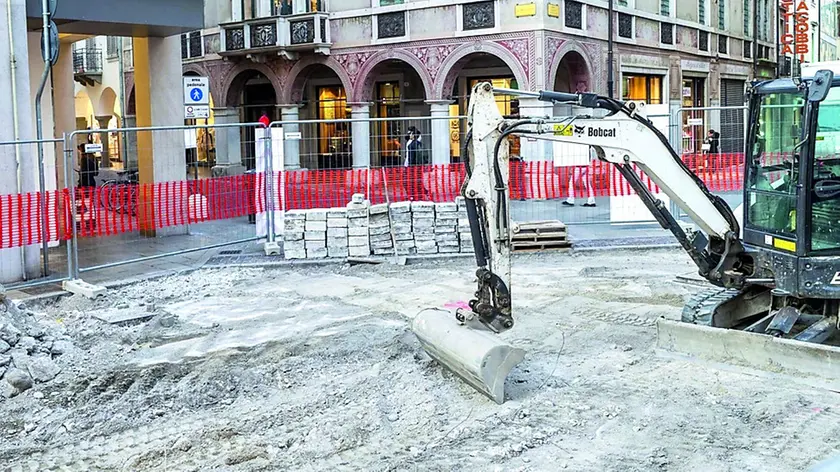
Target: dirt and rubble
314	368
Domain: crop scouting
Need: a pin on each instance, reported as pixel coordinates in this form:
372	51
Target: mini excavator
773	264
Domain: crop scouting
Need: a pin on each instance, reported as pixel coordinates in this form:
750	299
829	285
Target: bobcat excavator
773	264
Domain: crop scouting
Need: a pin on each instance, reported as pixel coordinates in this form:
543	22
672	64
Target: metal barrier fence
34	222
235	190
169	194
712	142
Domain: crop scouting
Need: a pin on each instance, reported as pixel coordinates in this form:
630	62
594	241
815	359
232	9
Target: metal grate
574	14
666	33
479	15
230	252
625	25
391	25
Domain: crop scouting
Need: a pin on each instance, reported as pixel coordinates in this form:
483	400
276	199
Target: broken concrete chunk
5	360
18	380
9	334
4	346
43	369
27	343
62	347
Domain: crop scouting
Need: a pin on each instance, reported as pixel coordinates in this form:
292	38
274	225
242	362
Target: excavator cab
792	185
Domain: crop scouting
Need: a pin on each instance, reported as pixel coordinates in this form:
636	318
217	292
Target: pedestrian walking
415	157
581	175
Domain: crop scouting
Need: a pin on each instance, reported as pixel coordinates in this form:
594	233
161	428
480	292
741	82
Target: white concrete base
272	248
478	356
80	287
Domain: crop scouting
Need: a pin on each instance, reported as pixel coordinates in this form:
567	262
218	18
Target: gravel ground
314	369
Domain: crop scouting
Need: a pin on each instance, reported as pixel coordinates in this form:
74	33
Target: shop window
333	138
646	88
389	133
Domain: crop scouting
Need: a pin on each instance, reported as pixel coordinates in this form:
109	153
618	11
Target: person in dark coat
88	168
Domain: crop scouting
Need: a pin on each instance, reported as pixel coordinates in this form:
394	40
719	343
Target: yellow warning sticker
784	245
562	130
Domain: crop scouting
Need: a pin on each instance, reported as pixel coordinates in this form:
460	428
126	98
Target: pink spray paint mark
456	305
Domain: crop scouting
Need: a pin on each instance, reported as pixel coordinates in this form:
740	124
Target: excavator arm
624	137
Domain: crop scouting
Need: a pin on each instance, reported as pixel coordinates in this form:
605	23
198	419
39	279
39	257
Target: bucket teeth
477	356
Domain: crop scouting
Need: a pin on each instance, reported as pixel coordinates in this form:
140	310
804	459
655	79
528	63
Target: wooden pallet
539	236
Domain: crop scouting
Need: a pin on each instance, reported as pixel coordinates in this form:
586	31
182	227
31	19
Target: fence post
674	126
73	244
269	184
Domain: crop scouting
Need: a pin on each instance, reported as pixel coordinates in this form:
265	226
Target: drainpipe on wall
13	66
610	78
756	19
39	129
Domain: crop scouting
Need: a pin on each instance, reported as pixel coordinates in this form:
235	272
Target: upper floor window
291	7
113	47
388	3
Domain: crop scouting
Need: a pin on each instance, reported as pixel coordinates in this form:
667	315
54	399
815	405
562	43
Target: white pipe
13	65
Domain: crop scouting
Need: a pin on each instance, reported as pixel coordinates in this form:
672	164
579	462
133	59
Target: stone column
228	143
159	101
291	147
441	150
540	150
361	134
103	120
17	263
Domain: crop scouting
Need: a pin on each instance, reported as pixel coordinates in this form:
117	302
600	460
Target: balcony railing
87	65
285	35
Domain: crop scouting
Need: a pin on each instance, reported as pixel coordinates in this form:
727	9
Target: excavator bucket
476	355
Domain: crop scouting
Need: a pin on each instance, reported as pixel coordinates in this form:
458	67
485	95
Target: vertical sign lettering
794	39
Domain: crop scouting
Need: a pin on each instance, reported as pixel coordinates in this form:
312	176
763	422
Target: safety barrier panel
126	208
109	224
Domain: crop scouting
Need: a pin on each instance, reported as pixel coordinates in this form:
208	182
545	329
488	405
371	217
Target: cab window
773	173
825	194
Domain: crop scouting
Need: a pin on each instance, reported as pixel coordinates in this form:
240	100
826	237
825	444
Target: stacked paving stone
294	227
402	228
464	232
379	228
446	227
358	226
423	227
315	234
337	233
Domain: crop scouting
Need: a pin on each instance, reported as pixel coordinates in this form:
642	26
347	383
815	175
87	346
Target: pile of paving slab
362	230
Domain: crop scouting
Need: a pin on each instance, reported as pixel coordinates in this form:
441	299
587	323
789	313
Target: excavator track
702	305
